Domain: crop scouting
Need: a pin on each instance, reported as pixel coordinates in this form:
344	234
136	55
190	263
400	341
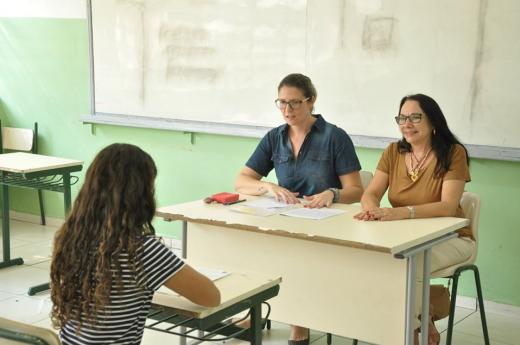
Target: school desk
342	276
239	291
27	170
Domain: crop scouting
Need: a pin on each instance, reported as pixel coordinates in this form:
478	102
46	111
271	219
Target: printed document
312	213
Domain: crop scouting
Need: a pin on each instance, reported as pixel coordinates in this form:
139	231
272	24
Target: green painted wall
44	78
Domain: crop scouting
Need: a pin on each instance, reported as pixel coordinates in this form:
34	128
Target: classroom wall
44	77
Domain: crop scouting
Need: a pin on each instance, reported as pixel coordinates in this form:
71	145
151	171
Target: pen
234	202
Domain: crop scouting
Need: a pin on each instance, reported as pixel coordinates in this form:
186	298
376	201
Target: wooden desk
27	170
341	275
239	292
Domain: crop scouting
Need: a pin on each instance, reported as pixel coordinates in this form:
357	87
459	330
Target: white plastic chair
13	332
22	139
366	177
470	203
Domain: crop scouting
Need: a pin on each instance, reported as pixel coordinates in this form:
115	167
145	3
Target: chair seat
450	270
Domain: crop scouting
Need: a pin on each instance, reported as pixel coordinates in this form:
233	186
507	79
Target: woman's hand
282	194
383	213
323	199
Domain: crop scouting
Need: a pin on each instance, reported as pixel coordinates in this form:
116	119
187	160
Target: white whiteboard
220	61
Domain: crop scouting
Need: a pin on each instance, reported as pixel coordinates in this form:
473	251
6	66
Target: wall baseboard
35	219
490	306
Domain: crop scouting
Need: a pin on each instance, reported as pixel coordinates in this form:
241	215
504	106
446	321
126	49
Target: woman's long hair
443	140
110	215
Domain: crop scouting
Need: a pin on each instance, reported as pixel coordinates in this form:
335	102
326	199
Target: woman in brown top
425	173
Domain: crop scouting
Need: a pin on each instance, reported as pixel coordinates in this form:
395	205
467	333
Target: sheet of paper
212	273
266	203
255	211
312	213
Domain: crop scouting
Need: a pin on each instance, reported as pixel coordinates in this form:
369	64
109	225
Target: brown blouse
402	191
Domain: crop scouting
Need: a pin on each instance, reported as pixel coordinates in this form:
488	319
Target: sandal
302	341
434	337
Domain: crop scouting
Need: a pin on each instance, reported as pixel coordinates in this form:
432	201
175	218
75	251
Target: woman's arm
351	191
450	198
194	286
351	188
373	194
249	182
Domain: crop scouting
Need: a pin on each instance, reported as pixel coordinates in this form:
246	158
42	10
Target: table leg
410	300
7	262
33	290
425	313
66	193
66	206
182	340
184	239
255	330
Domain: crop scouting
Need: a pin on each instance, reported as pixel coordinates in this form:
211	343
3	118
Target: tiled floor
33	243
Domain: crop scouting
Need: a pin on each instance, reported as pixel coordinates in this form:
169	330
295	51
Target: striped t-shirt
122	320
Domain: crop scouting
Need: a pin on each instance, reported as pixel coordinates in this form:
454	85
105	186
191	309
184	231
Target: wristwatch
411	212
334	191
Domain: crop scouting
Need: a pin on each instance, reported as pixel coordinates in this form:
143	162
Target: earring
434	132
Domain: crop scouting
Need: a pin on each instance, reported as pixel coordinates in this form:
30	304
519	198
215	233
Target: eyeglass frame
290	103
408	118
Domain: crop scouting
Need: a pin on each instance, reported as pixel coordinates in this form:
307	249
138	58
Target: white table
27	170
239	291
341	275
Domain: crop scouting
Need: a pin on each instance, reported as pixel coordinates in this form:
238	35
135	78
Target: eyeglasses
413	118
294	104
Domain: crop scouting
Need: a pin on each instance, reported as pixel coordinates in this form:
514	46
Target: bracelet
411	211
335	192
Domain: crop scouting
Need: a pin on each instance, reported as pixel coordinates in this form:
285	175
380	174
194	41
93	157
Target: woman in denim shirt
312	159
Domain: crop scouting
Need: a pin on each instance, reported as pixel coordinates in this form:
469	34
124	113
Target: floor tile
44	265
501	328
33	253
5	295
30	232
17	280
26	309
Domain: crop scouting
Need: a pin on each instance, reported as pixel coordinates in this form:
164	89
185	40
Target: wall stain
188	53
479	53
377	33
342	24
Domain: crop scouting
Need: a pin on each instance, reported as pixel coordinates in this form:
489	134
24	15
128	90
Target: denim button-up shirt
326	153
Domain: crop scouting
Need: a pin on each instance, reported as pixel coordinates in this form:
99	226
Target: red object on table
225	197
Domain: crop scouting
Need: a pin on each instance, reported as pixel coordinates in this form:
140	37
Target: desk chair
13	332
470	203
22	139
366	177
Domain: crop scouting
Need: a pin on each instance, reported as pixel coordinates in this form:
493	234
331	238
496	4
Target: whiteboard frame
475	151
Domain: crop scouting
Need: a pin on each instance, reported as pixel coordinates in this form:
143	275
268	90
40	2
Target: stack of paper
312	213
262	207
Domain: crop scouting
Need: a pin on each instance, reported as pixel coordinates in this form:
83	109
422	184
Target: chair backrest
17	139
366	177
22	333
470	203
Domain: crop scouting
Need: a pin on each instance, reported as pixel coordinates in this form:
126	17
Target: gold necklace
414	171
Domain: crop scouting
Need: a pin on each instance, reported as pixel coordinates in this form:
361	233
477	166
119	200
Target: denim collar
319	124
